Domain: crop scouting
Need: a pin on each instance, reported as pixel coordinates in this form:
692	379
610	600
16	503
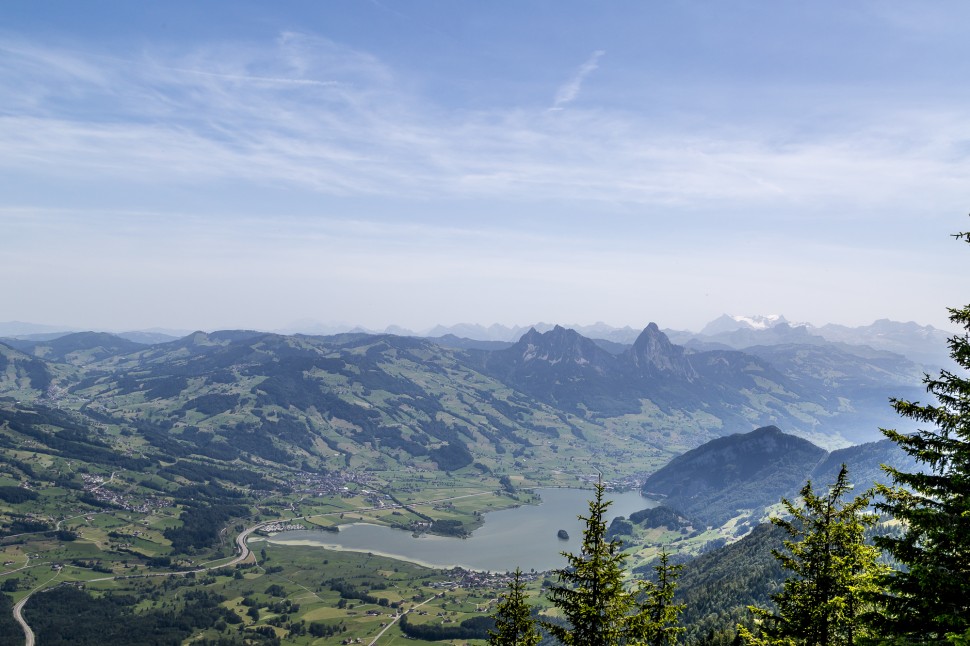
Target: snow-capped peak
759	321
734	322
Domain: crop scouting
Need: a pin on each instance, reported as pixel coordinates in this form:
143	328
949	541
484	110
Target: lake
522	537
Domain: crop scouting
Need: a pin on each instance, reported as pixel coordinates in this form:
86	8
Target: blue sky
205	165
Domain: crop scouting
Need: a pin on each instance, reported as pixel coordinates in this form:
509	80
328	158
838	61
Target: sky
279	166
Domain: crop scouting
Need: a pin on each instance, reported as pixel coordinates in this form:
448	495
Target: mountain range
360	399
921	343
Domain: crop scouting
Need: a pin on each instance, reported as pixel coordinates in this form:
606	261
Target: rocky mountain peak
559	345
653	351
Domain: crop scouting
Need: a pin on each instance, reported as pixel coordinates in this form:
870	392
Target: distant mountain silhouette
727	323
78	347
923	344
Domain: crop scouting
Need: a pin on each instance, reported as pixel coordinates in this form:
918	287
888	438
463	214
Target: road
244	553
18	612
241	544
394	621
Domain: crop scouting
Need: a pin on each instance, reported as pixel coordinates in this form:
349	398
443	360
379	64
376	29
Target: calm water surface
522	537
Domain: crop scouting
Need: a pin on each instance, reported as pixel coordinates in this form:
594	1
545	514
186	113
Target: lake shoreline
525	536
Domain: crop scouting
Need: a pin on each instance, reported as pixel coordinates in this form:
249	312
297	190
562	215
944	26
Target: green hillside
741	475
122	460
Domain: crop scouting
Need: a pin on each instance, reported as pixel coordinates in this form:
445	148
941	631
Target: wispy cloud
567	93
308	114
249	78
331	179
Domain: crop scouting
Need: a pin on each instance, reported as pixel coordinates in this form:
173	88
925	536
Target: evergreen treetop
593	598
514	625
929	599
591	595
833	571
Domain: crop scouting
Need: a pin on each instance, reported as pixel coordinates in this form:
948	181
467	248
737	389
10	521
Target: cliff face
561	346
653	354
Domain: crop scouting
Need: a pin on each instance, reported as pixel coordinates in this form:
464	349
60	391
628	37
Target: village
97	486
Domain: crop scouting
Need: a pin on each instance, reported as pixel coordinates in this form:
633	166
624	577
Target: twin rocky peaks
651	354
415	385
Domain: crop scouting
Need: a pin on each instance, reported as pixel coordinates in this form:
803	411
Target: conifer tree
661	612
514	625
929	599
833	571
591	596
599	608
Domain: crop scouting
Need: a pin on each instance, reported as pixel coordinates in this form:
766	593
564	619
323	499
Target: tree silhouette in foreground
592	597
662	628
833	571
514	625
929	599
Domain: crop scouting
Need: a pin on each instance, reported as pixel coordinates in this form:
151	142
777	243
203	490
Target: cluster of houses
94	484
462	578
330	483
628	483
281	526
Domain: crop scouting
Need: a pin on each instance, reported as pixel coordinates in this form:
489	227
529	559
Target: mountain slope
864	462
78	348
362	399
22	375
723	477
717	587
744	473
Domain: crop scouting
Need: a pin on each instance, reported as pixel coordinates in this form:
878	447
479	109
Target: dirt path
394	621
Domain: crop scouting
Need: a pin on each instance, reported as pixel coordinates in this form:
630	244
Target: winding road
18	612
244	552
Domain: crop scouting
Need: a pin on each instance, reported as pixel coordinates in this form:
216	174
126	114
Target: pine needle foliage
514	625
660	611
593	598
929	598
833	571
